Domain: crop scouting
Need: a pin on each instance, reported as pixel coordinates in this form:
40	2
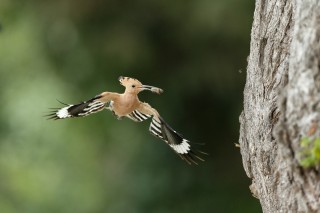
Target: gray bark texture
282	104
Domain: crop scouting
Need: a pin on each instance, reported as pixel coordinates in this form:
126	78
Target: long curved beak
152	89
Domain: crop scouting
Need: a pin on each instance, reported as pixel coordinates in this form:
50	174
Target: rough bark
282	104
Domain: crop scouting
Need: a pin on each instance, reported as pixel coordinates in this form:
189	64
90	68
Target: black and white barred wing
175	140
162	130
82	109
138	116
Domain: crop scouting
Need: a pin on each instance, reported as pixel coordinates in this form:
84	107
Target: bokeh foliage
72	50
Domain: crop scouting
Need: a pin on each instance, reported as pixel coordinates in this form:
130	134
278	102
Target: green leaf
305	142
316	149
307	162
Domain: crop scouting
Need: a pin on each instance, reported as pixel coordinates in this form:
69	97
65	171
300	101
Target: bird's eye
133	86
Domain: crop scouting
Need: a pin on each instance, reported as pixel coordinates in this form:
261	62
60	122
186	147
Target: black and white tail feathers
175	140
77	110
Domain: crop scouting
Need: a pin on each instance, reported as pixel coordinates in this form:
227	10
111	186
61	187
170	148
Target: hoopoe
128	105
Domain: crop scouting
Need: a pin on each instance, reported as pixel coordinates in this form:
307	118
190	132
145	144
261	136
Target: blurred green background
72	50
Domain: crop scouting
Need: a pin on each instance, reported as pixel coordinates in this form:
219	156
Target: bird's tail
175	140
77	110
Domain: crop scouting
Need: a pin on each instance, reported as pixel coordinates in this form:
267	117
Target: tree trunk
282	105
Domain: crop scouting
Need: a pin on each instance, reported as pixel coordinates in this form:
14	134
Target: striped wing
138	116
180	145
78	110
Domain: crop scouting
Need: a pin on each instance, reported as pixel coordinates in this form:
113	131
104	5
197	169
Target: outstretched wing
175	140
82	109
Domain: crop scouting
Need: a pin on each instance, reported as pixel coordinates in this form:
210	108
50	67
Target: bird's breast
123	106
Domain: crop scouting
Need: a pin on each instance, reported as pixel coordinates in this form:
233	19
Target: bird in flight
128	105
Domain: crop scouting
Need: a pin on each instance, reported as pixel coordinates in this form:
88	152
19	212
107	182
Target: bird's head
134	86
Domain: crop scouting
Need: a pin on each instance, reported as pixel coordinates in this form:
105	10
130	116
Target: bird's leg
117	116
110	107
